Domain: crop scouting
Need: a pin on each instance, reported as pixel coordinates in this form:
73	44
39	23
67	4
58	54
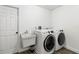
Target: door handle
16	32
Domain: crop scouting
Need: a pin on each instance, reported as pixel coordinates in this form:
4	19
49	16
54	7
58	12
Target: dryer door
49	43
61	39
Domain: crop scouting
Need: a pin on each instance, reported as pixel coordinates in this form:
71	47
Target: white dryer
45	43
60	39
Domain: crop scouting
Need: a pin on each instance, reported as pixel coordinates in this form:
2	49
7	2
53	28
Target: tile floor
61	51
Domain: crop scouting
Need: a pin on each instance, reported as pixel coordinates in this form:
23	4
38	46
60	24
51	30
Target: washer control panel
50	32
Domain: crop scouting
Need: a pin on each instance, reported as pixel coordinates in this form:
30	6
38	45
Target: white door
8	29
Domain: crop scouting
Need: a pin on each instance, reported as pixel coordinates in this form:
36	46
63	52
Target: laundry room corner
66	17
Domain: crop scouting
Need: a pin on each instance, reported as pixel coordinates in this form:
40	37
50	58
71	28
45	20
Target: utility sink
28	39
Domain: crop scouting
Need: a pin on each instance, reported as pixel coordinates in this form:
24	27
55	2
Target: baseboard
72	49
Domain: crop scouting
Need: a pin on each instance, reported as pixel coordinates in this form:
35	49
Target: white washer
45	43
60	39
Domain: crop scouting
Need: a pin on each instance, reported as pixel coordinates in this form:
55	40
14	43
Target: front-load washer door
61	39
49	43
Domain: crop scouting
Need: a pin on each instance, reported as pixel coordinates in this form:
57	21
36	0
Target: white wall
31	16
68	18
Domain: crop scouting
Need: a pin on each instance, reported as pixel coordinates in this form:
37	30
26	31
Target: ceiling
50	7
